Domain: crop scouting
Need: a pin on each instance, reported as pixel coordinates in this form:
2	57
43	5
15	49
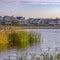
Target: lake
50	43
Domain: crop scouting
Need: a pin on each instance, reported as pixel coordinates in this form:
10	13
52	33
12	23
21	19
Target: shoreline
29	27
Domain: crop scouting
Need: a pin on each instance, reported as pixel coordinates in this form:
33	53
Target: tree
15	23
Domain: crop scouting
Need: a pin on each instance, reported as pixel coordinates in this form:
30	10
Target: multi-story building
33	21
51	21
7	20
21	20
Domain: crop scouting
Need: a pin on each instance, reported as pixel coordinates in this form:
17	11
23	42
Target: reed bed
19	39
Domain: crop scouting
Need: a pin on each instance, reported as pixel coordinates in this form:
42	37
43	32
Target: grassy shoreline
29	27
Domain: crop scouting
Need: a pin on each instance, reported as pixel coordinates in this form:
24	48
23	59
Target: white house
7	20
40	22
21	20
34	21
52	21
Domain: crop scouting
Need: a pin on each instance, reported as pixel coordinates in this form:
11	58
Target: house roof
20	18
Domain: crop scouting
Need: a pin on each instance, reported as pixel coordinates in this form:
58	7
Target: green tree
15	23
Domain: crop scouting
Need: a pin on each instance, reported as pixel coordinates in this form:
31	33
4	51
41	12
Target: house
7	20
21	20
47	22
51	22
1	20
30	21
41	22
33	21
58	21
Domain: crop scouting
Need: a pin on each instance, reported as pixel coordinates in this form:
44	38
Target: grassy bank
29	27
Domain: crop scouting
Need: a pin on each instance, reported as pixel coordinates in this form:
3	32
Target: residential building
7	20
58	21
33	21
41	22
21	20
51	22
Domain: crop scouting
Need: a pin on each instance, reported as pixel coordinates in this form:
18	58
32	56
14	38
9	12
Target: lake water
50	43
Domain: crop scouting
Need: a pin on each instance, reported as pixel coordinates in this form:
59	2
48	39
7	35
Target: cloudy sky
29	0
30	8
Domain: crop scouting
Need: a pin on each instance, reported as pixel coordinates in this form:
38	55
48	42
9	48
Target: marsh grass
3	41
34	38
19	39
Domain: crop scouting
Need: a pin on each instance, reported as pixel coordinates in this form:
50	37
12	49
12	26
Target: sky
30	8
